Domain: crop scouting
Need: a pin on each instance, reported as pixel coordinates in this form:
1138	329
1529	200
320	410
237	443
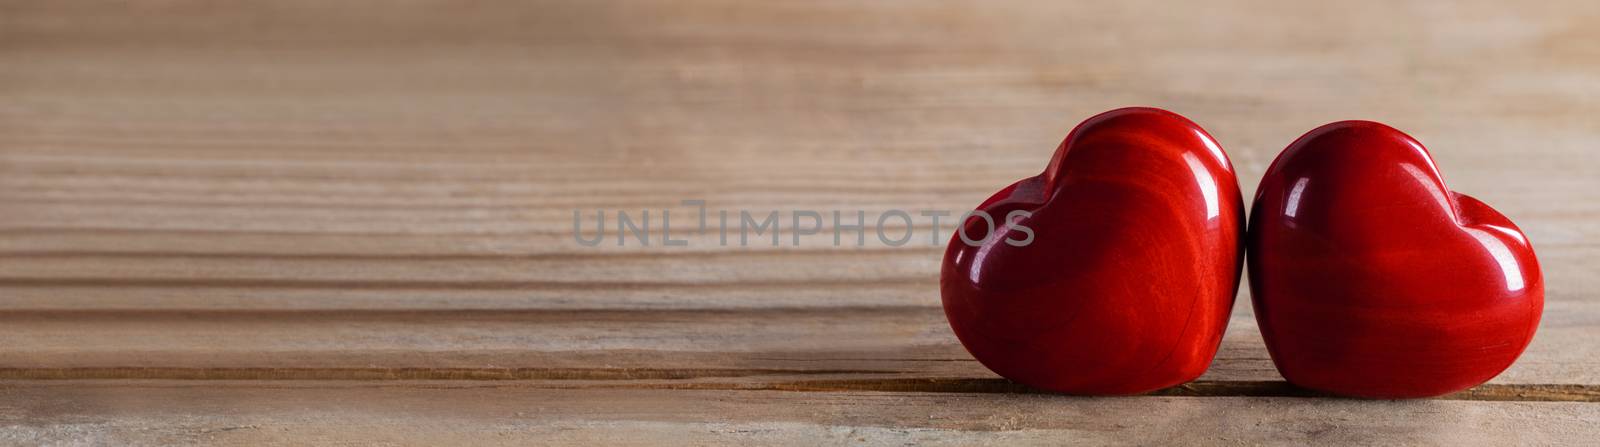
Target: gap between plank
665	376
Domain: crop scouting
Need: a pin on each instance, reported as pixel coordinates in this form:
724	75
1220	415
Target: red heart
1371	279
1132	267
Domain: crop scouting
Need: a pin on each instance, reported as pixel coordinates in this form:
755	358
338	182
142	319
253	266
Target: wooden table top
312	221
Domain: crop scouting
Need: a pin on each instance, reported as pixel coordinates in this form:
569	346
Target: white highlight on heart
1502	255
1208	184
1293	205
1437	191
1211	145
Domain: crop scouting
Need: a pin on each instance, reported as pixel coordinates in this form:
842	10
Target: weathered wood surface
325	221
732	345
477	414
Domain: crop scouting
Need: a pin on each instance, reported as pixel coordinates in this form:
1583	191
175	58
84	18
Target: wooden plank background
307	221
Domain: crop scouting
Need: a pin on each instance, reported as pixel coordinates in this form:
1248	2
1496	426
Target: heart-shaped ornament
1371	279
1113	271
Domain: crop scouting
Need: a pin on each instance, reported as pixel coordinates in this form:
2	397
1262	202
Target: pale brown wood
289	205
230	413
733	346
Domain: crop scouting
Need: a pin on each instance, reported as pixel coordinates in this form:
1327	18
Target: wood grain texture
159	412
374	199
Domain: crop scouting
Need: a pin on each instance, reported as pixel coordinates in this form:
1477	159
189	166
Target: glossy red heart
1137	227
1371	279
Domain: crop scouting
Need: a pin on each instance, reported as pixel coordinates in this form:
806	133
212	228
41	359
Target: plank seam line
679	379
